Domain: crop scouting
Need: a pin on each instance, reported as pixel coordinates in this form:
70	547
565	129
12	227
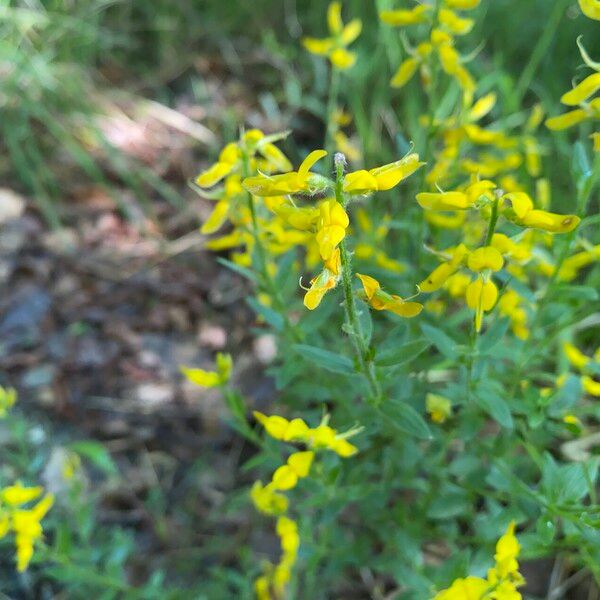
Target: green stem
471	359
492	223
353	323
266	279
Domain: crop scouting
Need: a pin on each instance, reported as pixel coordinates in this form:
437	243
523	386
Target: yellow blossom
381	178
436	279
16	495
526	216
28	529
462	4
294	182
582	91
453	23
574	117
403	18
297	466
211	378
267	500
438	407
8	397
331	227
325	281
590	8
577	358
481	296
590	386
381	300
334	47
484	258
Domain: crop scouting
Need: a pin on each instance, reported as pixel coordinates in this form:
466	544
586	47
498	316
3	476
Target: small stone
265	348
11	205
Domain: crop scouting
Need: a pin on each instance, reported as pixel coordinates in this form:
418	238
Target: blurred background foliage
62	61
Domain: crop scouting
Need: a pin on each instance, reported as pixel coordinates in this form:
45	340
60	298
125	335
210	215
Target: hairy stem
354	328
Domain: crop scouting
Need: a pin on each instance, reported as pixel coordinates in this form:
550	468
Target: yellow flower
590	8
211	378
262	588
331	227
227	162
470	588
319	438
334	47
403	18
381	178
380	300
481	296
502	580
267	500
486	257
453	23
436	279
582	91
577	358
294	182
462	4
16	495
590	386
507	551
438	407
297	466
526	216
27	527
572	420
8	397
325	281
574	117
230	158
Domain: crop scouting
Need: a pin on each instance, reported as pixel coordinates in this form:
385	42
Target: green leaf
97	454
450	502
272	317
404	417
493	335
404	353
326	359
444	343
568	395
243	271
581	293
489	397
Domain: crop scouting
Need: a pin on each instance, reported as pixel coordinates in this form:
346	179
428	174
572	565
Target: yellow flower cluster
25	523
481	294
209	379
335	46
254	152
269	500
444	24
502	580
326	224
